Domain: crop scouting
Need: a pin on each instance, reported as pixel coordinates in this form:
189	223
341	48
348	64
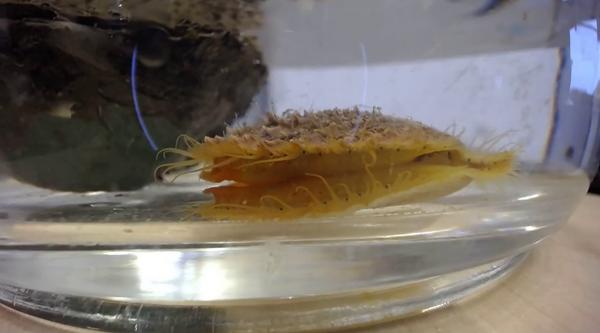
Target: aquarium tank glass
284	165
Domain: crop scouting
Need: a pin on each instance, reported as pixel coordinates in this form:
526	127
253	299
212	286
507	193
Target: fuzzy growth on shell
329	131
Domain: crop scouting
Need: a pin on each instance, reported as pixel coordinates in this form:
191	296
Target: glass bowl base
314	313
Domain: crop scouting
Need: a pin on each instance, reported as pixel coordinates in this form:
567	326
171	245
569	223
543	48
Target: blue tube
136	105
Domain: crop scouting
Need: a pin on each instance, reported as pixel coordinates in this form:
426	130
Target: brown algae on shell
331	161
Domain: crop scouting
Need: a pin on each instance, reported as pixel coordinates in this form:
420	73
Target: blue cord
136	105
363	51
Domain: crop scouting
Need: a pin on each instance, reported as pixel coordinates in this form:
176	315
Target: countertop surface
557	289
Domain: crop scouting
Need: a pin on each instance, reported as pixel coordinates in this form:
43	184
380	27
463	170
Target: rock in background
67	120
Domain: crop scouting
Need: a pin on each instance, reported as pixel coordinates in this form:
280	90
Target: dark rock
67	120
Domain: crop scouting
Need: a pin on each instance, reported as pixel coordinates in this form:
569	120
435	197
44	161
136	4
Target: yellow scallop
332	161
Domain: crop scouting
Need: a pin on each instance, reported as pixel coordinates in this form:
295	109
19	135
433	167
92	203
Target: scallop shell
330	162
